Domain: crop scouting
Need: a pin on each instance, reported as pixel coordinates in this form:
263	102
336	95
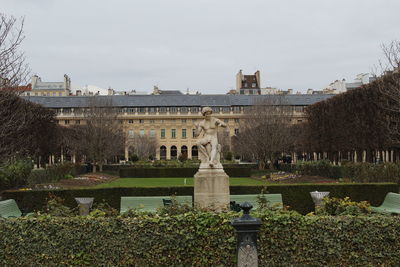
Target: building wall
135	119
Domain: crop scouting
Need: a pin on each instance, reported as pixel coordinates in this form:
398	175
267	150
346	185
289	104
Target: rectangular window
152	133
152	110
162	134
184	109
173	109
130	121
194	109
193	133
236	131
173	133
163	109
184	133
226	109
131	110
215	109
141	121
226	120
142	110
236	120
130	133
141	132
183	120
161	121
236	109
151	121
66	122
77	122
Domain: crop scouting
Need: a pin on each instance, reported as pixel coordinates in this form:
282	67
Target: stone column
62	155
168	152
126	153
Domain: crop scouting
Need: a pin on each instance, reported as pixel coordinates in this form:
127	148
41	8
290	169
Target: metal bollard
246	228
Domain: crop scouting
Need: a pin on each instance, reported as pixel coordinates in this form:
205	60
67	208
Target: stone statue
209	149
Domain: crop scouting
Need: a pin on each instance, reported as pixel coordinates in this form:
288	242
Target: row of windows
150	121
141	121
143	110
152	133
44	94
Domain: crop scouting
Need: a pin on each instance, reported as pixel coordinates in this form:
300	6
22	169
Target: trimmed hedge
357	172
198	239
177	172
296	196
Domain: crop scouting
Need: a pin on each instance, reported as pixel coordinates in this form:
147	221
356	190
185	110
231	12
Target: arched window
163	152
195	152
174	152
184	151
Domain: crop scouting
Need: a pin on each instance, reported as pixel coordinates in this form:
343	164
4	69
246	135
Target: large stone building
171	119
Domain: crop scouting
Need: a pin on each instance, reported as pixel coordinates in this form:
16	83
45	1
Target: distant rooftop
177	100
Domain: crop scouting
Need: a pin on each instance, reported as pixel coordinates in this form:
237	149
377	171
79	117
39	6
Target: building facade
172	119
40	88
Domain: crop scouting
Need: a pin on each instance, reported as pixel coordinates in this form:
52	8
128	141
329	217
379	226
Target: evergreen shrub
55	173
296	196
15	173
199	239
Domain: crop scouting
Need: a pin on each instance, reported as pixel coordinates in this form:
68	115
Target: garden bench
391	204
274	200
150	203
9	209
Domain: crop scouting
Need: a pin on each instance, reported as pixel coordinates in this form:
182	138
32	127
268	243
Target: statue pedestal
211	189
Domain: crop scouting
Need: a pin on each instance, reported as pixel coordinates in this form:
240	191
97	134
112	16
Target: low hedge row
297	196
198	239
356	172
177	172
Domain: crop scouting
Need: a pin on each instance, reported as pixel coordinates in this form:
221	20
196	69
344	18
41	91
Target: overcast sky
201	45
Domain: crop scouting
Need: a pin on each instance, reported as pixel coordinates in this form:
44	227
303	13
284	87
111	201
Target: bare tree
143	146
100	137
265	131
13	69
387	76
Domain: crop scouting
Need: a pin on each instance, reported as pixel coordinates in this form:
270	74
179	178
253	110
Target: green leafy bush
15	173
343	206
55	207
296	196
55	173
199	239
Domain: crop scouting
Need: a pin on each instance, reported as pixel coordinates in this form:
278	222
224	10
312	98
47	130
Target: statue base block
211	189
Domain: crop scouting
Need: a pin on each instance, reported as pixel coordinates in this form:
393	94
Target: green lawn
165	182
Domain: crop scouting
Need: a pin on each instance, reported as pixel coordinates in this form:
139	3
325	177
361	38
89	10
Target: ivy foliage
198	238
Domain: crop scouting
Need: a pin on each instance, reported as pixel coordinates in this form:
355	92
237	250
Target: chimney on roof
310	91
78	92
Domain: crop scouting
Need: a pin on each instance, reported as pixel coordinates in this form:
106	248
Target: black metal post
246	228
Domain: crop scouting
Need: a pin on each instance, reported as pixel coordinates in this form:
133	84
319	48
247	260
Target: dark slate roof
176	100
170	92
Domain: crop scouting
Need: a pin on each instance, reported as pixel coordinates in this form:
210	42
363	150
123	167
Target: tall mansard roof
178	100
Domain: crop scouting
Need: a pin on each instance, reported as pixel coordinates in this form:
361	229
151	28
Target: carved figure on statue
208	146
